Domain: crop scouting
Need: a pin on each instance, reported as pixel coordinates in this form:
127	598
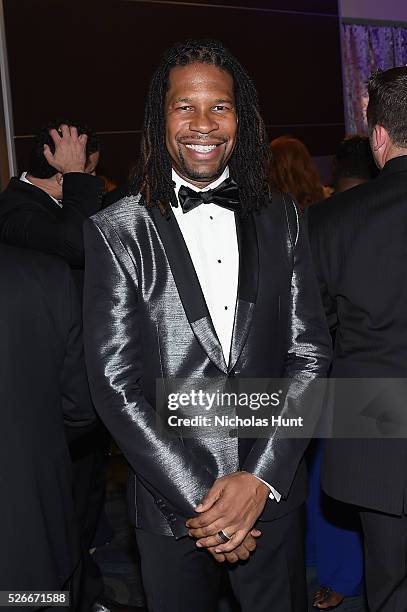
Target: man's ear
59	177
380	137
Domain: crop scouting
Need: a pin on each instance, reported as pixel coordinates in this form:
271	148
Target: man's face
201	121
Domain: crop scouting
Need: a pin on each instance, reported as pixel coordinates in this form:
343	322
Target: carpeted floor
118	558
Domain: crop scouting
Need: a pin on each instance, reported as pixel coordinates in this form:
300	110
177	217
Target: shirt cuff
273	493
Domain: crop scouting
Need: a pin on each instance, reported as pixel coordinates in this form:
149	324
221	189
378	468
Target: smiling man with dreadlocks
204	274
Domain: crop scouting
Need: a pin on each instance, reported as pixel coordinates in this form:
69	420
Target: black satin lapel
248	284
188	286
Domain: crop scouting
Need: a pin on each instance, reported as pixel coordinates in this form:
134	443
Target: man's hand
70	150
234	503
242	552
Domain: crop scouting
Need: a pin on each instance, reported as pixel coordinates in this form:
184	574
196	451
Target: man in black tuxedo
205	275
359	243
43	383
44	209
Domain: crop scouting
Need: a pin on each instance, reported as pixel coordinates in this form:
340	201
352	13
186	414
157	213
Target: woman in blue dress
333	544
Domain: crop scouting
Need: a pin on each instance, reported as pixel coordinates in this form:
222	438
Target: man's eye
219	107
184	107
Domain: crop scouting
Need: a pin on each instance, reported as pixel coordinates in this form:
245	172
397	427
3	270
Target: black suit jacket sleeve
320	241
77	405
32	227
113	348
276	459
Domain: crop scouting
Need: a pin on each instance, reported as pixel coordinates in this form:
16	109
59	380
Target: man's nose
203	122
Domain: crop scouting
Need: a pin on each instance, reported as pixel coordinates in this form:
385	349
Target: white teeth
201	148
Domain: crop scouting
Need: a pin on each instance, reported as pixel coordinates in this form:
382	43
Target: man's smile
202	151
201	148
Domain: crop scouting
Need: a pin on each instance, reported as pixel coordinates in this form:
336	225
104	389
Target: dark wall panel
93	60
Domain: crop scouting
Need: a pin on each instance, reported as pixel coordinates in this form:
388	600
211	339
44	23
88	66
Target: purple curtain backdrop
368	48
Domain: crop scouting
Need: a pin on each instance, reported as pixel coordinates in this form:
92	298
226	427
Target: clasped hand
233	504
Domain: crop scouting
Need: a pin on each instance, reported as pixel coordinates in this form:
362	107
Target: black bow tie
225	195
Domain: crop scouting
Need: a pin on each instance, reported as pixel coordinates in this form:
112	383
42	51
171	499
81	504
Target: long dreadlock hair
250	160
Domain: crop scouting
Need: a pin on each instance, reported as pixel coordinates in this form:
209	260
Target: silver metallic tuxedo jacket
145	318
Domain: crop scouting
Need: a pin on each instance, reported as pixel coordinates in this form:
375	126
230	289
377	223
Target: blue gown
333	541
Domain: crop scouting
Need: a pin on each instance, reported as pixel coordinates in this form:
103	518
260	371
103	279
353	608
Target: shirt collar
24	178
180	181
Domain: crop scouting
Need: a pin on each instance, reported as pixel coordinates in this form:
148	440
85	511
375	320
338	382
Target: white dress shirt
210	235
24	178
209	232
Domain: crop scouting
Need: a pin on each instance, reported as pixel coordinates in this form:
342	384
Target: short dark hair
249	162
387	104
354	159
39	167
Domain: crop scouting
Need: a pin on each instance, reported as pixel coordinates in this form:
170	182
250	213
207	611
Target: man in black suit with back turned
43	383
44	209
359	242
203	275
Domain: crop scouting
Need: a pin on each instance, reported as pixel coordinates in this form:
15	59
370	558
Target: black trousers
179	577
385	543
89	465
